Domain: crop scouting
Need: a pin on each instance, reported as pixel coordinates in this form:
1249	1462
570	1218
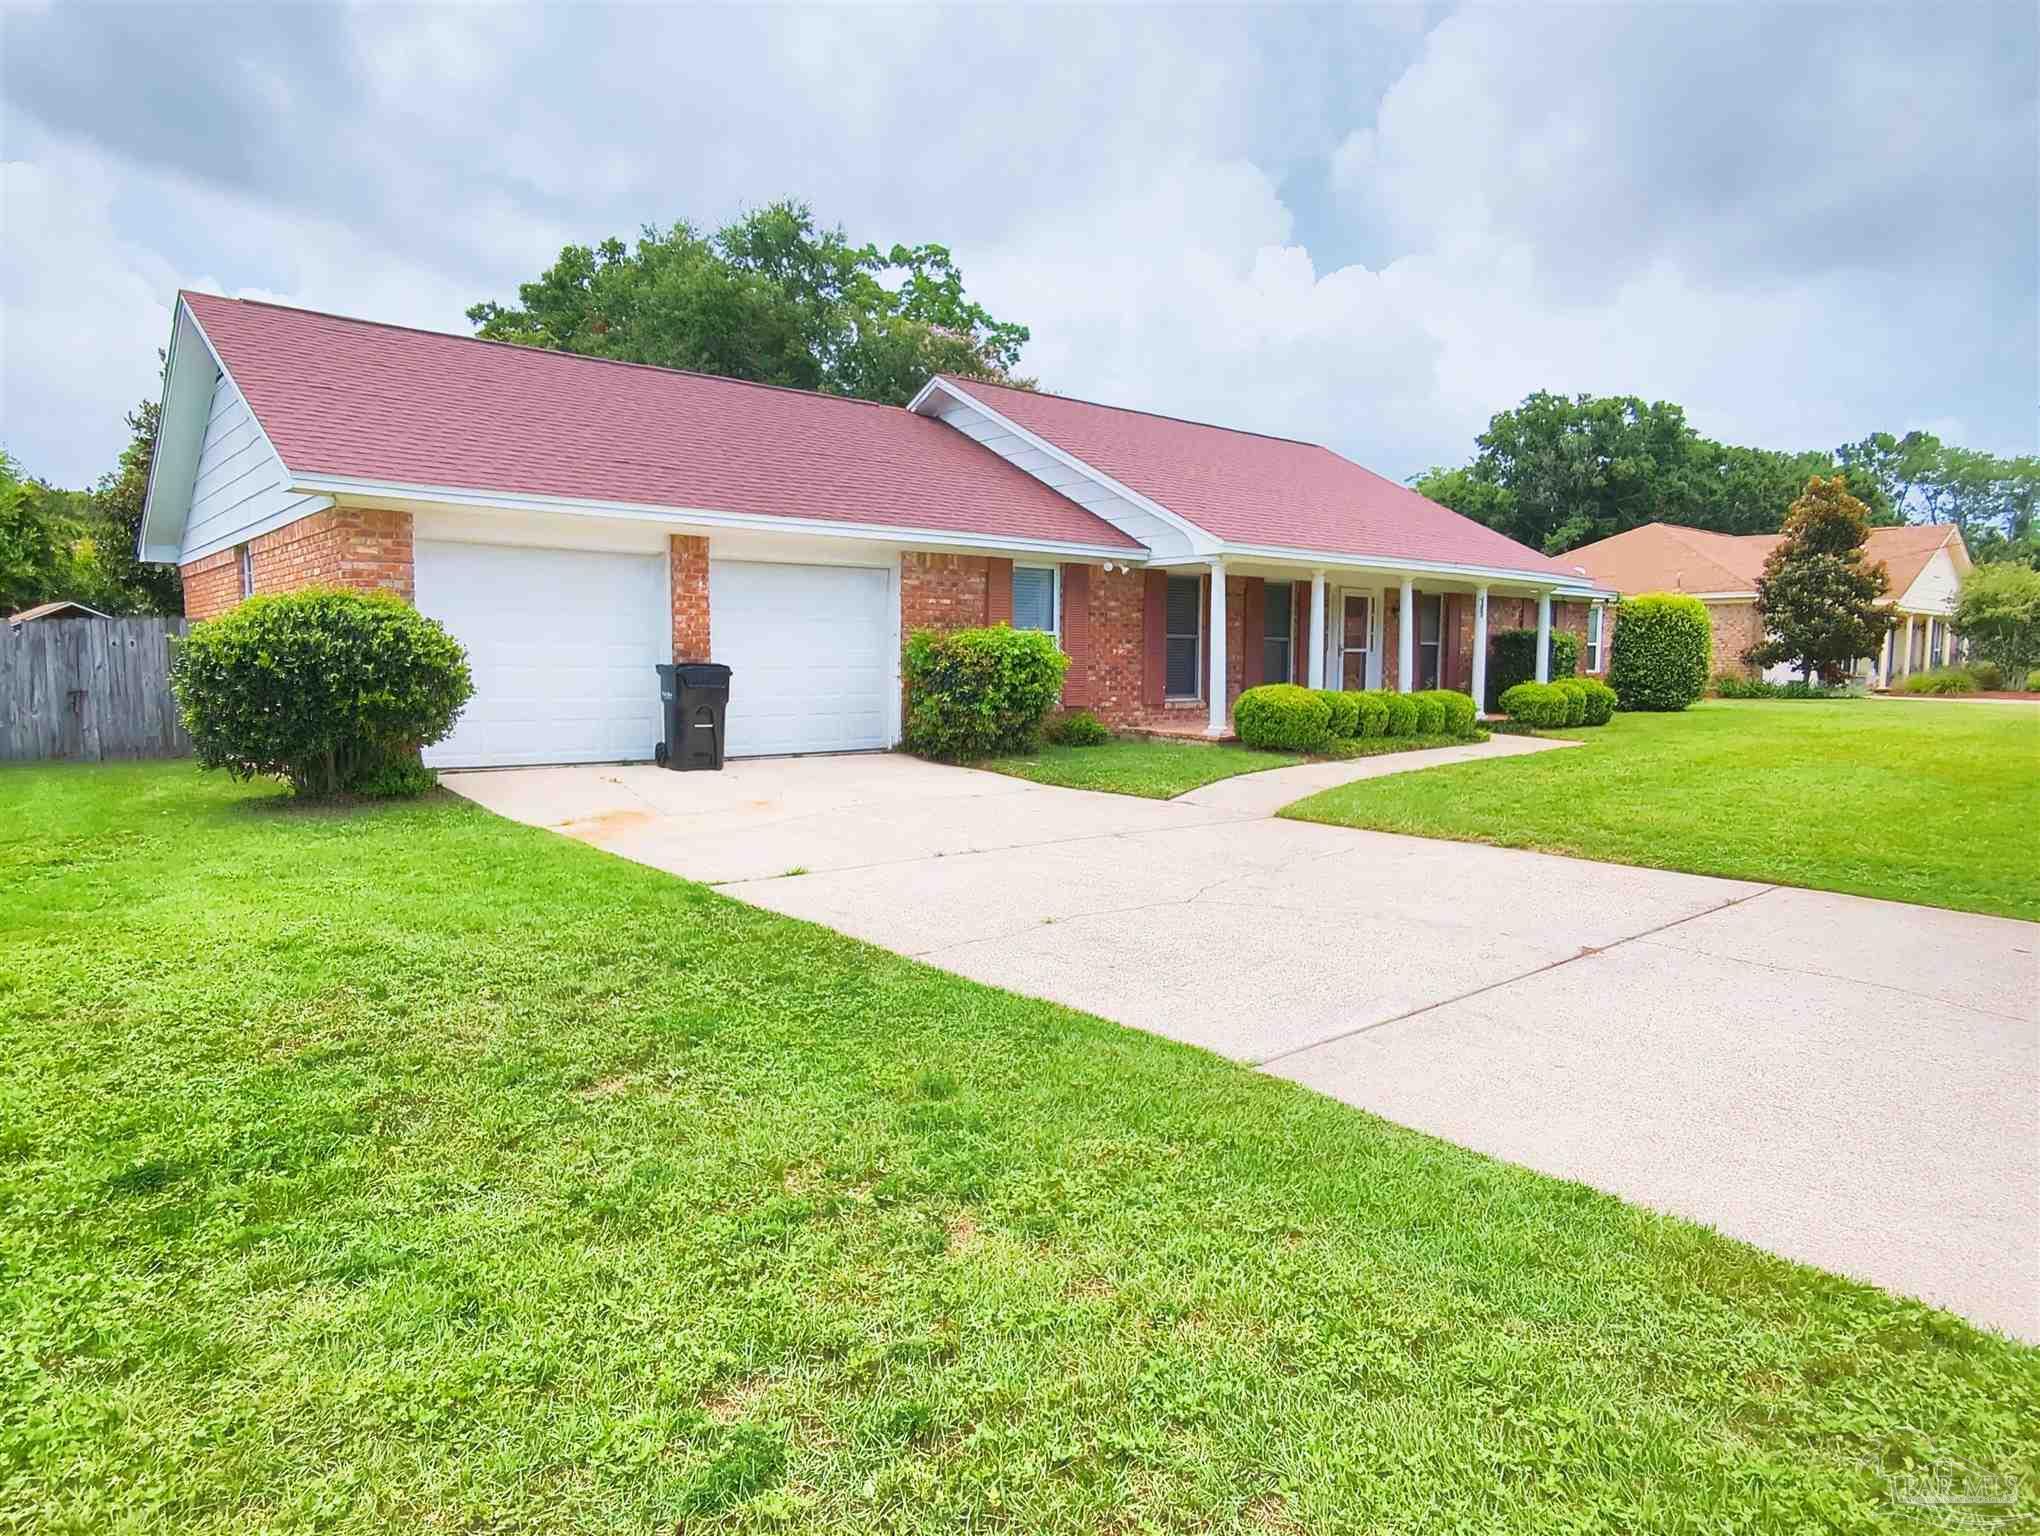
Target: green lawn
1154	770
1931	803
407	1168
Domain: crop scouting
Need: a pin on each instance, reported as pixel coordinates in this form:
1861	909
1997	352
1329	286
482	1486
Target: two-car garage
564	644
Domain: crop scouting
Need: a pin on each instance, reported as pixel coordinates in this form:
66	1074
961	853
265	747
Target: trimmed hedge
1283	717
333	692
1942	680
1601	701
1430	715
1075	728
1512	658
1458	707
1662	652
1345	708
975	693
1373	711
1541	705
1575	693
1402	714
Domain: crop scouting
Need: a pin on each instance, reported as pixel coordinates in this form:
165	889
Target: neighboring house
1924	562
63	608
574	520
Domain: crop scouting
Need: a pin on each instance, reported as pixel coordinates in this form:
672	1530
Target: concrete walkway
1852	1083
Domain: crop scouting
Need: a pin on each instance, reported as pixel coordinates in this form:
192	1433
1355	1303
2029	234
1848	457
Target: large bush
1662	651
1512	658
975	693
1283	717
333	692
1998	613
1457	710
1345	708
1540	705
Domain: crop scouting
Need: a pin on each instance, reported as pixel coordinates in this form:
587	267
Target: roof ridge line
529	351
1134	410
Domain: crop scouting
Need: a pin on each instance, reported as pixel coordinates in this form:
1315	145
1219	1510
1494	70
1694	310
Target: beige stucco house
1925	563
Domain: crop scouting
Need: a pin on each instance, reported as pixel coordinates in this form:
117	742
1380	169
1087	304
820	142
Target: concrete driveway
1851	1083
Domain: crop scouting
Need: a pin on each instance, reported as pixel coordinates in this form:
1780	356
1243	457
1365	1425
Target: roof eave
1330	560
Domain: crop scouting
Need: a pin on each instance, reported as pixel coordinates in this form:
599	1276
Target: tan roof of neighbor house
1663	557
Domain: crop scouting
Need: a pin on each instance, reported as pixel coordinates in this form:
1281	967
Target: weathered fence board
89	689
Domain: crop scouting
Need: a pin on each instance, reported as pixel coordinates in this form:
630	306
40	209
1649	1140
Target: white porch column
1218	722
1544	637
1878	679
1947	644
1479	650
1905	664
1406	637
1317	629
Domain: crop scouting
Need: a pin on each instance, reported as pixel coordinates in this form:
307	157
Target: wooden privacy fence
89	689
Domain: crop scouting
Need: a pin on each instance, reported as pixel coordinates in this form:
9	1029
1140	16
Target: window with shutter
1034	597
1275	614
1184	636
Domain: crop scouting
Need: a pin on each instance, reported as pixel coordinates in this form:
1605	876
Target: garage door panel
810	650
562	644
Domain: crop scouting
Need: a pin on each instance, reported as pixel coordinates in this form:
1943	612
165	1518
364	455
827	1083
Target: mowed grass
1931	803
405	1168
1154	770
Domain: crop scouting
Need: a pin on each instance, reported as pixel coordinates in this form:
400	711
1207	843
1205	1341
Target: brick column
688	569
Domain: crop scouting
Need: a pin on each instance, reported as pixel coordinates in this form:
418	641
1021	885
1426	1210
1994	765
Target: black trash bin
696	695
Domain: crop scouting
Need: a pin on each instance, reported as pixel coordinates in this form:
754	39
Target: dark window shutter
998	591
1078	685
1154	649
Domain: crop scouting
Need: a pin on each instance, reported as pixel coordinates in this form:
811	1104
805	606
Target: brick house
573	520
1924	566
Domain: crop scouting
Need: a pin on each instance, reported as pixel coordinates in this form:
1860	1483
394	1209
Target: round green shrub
1402	715
1372	707
2033	681
1539	705
1512	658
1990	677
1662	651
1430	715
1283	717
1942	680
333	692
1600	702
1574	691
1076	728
1459	713
975	693
1345	709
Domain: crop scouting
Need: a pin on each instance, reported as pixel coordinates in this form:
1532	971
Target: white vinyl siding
1036	600
241	486
1183	637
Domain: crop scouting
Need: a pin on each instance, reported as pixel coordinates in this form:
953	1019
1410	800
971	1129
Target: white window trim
1594	611
244	567
1203	623
1055	595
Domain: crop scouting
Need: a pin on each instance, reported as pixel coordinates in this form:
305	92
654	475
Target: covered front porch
1254	620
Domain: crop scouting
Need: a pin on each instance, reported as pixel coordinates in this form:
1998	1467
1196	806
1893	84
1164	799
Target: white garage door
810	650
563	643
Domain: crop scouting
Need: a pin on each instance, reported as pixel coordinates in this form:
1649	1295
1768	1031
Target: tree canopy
1818	597
770	298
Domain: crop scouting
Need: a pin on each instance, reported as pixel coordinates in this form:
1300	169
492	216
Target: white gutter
1578	586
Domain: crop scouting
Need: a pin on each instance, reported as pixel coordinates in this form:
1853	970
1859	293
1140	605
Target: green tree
770	298
124	582
1818	599
31	552
1998	613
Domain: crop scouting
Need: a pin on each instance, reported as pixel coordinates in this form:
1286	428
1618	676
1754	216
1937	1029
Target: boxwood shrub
975	693
1575	693
1459	713
1512	658
1662	652
1540	705
1430	715
1283	717
331	691
1601	701
1402	715
1373	710
1345	709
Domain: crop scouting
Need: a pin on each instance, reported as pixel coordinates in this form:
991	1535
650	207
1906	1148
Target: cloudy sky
1374	227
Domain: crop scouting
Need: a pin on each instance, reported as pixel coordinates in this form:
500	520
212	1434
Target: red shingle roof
382	402
1667	557
1245	488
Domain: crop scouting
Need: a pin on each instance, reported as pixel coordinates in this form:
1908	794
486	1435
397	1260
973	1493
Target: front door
1354	629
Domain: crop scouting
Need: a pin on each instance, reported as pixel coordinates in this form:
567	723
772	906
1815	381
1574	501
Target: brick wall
358	547
945	591
687	568
1737	628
